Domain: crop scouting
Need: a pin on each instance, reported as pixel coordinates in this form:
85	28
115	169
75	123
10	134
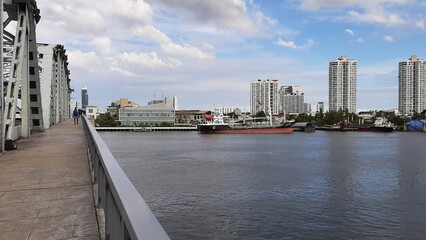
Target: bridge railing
127	216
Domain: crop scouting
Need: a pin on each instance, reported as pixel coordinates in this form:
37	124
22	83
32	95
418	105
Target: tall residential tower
342	85
412	86
264	97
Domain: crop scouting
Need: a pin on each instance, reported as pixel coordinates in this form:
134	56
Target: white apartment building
292	100
412	86
264	96
342	85
54	83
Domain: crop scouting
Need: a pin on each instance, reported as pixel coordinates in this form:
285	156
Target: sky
206	53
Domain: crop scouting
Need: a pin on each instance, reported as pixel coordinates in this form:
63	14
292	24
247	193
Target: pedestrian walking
75	115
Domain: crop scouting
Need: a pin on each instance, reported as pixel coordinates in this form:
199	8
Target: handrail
127	216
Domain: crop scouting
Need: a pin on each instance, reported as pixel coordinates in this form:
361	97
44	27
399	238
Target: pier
64	183
146	129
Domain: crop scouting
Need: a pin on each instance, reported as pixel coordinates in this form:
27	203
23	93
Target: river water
322	185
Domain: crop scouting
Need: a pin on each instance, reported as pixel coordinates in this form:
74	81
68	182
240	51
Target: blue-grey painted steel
127	216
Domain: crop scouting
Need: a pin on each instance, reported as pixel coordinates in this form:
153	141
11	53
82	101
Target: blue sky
207	52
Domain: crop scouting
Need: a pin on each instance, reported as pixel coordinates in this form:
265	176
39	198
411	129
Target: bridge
65	183
62	182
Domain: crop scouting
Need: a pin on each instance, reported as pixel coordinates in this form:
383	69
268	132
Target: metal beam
20	71
2	140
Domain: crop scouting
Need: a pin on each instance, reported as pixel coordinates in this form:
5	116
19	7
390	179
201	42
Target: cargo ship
214	124
375	129
380	125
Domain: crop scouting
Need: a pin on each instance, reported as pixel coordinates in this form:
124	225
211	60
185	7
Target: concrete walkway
45	187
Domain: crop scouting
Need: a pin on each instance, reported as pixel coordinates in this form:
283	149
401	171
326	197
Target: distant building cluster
266	96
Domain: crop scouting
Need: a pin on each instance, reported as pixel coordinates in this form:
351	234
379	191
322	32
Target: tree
333	117
105	120
399	120
353	118
304	117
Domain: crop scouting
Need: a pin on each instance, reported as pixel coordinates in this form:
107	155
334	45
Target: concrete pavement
45	187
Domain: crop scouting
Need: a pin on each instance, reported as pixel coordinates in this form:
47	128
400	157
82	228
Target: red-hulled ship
214	124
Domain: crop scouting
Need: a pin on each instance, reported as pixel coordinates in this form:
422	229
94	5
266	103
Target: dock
45	187
146	129
333	129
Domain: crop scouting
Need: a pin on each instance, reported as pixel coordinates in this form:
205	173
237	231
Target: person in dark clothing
75	115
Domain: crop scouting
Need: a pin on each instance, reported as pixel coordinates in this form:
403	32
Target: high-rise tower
342	85
412	86
84	98
264	97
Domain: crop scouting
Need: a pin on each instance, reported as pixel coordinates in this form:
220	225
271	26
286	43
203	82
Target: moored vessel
214	124
380	125
375	129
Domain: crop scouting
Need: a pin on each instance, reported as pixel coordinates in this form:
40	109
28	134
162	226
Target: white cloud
261	19
350	32
151	33
360	40
385	12
388	38
74	18
226	14
168	46
314	5
148	60
185	50
84	61
121	71
293	45
131	12
378	17
420	24
102	45
289	44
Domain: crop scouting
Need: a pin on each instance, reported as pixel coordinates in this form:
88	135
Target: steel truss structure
20	78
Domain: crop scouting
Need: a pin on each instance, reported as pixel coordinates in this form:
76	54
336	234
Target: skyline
207	53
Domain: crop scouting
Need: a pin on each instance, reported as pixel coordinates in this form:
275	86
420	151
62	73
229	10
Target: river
322	185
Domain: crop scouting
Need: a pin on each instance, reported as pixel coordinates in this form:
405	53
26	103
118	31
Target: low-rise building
189	117
112	110
157	114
